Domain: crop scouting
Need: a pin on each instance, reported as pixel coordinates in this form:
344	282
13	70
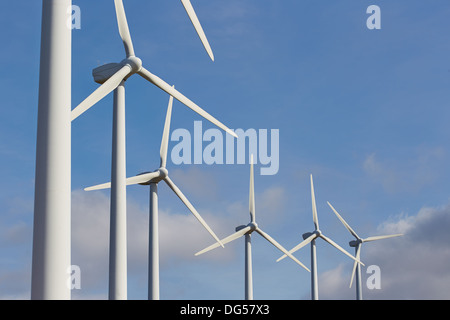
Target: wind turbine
310	237
247	231
152	179
357	245
115	73
113	77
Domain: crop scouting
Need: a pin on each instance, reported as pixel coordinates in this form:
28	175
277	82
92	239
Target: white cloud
181	235
414	266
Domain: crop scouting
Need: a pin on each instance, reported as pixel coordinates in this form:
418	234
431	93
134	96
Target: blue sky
364	111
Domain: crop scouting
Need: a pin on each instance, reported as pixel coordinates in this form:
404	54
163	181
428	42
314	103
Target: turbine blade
165	138
334	244
314	208
226	240
99	187
109	85
358	256
193	16
141	178
300	245
381	237
344	222
252	192
180	97
280	247
191	207
124	31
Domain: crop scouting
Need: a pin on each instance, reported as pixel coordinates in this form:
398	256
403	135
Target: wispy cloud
409	173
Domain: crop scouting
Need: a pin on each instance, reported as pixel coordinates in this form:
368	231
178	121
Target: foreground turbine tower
51	229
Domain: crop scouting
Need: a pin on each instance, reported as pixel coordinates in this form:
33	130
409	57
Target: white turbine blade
180	97
165	138
109	85
358	256
191	13
124	31
280	247
226	240
252	192
344	222
99	187
299	246
334	244
142	178
381	237
190	207
314	207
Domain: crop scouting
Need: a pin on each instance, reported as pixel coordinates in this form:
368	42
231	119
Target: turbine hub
163	173
134	62
253	226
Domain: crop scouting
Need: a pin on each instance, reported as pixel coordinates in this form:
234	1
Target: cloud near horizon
414	266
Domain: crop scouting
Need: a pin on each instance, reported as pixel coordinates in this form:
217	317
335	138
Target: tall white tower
51	233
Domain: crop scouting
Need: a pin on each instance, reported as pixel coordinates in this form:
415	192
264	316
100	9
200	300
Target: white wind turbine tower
310	237
247	231
52	198
112	77
357	245
152	179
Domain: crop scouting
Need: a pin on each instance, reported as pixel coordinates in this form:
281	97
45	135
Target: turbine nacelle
355	243
134	63
103	73
162	174
252	225
309	234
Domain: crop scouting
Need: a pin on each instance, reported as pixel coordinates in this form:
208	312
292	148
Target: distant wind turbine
152	179
357	245
247	231
310	237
